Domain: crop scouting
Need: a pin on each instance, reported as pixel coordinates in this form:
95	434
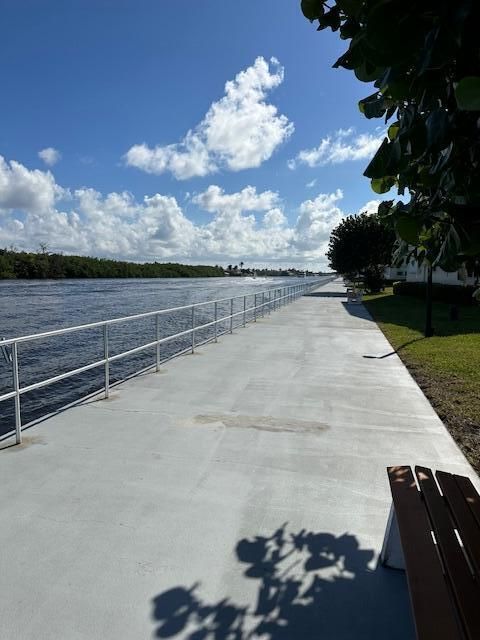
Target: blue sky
107	91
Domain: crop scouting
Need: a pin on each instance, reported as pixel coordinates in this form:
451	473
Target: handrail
137	316
282	295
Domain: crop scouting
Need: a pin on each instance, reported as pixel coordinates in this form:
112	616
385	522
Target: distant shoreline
22	265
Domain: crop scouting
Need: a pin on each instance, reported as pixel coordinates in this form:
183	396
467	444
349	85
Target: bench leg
392	553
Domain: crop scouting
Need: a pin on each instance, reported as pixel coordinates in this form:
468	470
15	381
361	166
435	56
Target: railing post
263	304
231	315
216	321
255	309
107	363
193	329
157	331
16	387
244	310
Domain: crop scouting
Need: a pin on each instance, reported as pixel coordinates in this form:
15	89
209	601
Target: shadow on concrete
309	586
358	310
325	294
395	351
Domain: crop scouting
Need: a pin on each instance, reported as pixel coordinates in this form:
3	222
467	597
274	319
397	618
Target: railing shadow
310	586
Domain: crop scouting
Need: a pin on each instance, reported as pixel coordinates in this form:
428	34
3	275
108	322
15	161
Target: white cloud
370	207
50	156
239	131
32	191
311	184
247	225
314	224
274	218
342	146
214	199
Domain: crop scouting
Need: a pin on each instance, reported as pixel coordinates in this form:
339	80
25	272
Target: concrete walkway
240	493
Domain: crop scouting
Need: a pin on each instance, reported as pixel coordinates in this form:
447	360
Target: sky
197	131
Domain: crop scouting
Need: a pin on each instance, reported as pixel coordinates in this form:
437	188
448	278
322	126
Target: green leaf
350	7
312	9
408	228
373	106
393	130
385	209
382	185
397	90
379	163
437	128
330	19
349	29
394	33
368	73
467	93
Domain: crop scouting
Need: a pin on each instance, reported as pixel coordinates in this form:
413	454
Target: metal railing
264	302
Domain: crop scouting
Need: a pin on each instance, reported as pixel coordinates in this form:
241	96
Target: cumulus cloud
342	146
311	184
50	156
239	131
274	218
245	225
314	224
214	199
370	207
32	191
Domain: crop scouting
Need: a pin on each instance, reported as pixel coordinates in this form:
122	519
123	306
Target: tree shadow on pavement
310	586
358	310
325	294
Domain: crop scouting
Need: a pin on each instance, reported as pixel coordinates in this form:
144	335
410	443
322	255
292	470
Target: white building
413	272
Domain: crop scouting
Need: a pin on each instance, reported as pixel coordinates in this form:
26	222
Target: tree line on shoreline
45	265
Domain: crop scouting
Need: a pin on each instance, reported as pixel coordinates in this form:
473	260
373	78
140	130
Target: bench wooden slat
464	587
471	496
424	571
467	525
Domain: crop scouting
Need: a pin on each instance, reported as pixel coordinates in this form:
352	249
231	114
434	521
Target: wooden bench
354	295
435	537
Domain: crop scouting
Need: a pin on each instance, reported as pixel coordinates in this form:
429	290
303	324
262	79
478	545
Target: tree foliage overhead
424	59
361	244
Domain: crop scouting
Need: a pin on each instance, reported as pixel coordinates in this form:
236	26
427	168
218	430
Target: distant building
413	272
396	273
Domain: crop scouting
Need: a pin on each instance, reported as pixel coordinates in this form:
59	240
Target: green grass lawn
446	366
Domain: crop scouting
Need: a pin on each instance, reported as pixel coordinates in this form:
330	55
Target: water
36	306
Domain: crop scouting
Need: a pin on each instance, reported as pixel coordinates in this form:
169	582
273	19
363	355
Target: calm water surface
35	306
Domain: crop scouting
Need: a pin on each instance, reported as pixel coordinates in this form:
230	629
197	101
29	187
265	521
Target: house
413	272
417	273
